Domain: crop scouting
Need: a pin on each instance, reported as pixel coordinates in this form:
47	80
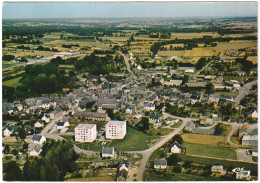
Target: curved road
244	90
147	153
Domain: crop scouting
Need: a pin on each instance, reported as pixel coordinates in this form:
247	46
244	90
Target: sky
13	10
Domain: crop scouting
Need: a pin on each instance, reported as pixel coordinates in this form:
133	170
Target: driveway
242	156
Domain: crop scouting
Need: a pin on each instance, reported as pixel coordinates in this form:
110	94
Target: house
109	88
250	140
100	115
8	131
115	129
129	111
254	114
108	152
155	118
46	118
38	139
176	148
160	164
242	174
219	169
236	86
189	127
206	121
194	99
19	107
149	107
122	175
105	103
203	130
35	151
196	84
39	124
138	116
85	132
61	125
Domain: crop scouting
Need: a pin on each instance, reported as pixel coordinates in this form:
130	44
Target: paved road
127	65
147	153
234	128
244	91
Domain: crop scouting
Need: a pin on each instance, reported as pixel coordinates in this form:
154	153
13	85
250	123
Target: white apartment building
85	132
115	129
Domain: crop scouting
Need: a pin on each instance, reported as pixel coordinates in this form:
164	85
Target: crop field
253	59
202	139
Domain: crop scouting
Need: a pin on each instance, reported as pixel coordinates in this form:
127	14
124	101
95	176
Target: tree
7	149
177	138
15	152
21	133
23	59
173	160
143	125
209	88
218	129
13	172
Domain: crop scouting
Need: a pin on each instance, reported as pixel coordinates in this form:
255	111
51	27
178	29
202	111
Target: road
244	91
147	153
234	128
42	60
127	65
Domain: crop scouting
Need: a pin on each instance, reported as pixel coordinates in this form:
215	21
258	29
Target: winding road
244	91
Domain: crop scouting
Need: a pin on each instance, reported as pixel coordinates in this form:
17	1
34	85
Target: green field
13	82
210	150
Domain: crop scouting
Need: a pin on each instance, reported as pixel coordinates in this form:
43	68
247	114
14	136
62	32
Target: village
100	116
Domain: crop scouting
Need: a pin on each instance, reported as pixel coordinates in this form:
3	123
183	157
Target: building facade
115	129
85	132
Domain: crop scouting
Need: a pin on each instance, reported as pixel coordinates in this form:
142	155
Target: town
130	102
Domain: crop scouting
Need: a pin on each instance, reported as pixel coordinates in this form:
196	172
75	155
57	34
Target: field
13	82
209	150
203	139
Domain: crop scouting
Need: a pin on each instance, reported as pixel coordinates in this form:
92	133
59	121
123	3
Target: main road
148	152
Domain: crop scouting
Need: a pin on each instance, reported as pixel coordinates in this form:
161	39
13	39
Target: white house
115	129
85	132
38	139
39	124
8	131
61	125
46	118
149	107
19	107
176	148
254	114
160	164
35	151
108	152
242	174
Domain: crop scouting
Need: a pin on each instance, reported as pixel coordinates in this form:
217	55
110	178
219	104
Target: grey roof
108	86
36	137
10	128
37	148
107	150
60	123
160	162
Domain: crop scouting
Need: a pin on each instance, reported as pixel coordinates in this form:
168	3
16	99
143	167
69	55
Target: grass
156	176
176	125
134	140
203	139
13	82
209	150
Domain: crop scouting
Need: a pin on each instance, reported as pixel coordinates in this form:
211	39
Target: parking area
242	155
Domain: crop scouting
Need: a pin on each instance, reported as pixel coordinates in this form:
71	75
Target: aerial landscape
129	91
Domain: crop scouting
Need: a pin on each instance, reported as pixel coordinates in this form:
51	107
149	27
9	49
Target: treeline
57	158
193	42
70	45
39	79
104	51
100	65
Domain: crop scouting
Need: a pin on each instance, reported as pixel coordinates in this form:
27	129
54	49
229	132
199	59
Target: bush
177	169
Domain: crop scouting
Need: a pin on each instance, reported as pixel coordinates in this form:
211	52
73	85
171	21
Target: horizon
49	10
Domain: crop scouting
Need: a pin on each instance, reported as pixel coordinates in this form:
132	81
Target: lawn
176	125
210	150
13	82
134	140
